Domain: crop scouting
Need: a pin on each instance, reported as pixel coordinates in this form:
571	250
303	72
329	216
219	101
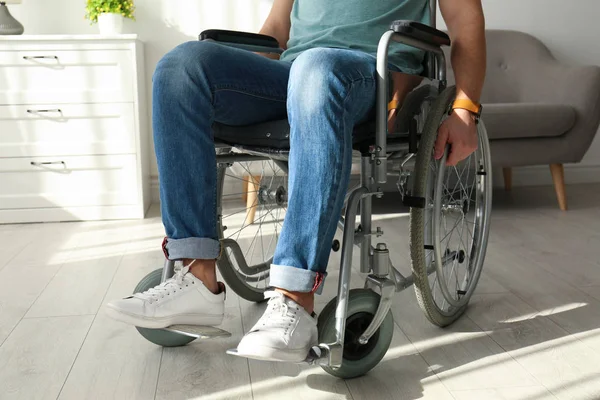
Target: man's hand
460	132
403	84
392	115
272	56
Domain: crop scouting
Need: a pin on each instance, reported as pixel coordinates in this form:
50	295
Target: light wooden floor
532	331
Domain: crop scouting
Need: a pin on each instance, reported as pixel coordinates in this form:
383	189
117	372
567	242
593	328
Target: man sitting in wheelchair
325	84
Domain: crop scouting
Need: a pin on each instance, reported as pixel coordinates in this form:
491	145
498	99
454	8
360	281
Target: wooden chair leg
507	172
252	199
245	189
558	176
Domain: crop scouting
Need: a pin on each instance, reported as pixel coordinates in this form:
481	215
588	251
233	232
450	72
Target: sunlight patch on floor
546	312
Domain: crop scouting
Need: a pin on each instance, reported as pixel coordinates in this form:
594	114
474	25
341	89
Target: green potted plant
109	14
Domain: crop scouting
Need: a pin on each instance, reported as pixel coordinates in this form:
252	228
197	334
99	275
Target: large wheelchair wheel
252	203
448	237
358	359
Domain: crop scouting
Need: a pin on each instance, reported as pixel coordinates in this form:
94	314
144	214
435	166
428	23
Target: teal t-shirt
355	24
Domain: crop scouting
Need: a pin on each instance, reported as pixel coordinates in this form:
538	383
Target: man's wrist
467	105
465	115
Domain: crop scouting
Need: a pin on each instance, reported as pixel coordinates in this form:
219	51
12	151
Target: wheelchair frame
373	174
373	166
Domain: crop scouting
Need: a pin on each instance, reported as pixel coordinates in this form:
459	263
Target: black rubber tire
159	336
359	301
417	215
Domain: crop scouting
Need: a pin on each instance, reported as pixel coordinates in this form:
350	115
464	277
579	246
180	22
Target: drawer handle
39	164
38	57
43	165
56	110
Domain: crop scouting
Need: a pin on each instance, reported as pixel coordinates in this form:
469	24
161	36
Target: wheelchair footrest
413	202
198	332
317	355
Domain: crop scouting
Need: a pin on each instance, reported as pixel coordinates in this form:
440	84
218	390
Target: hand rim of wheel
481	222
420	227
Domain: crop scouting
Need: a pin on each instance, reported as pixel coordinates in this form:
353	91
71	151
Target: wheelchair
449	212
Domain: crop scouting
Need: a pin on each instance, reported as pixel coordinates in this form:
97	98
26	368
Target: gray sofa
537	111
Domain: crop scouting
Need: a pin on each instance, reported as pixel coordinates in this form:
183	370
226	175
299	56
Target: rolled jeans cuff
192	248
295	279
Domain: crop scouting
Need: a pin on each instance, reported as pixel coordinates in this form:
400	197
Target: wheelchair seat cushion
516	121
274	134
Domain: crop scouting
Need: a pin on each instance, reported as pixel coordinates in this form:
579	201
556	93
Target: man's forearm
469	64
466	26
277	24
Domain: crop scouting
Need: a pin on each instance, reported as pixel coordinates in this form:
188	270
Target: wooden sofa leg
558	176
507	172
252	199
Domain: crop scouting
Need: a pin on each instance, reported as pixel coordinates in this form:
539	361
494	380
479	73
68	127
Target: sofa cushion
525	120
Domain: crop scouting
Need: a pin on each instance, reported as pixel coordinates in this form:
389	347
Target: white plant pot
110	24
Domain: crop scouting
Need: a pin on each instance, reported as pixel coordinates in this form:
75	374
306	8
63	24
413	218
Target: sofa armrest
576	86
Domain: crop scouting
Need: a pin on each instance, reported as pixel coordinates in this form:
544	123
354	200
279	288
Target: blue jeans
324	93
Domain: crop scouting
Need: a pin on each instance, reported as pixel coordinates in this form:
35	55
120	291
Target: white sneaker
285	332
181	300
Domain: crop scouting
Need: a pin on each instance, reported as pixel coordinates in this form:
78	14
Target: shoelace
172	285
278	314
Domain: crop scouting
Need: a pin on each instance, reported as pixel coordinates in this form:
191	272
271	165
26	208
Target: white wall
569	28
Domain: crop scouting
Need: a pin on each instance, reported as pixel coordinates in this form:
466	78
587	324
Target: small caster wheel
160	337
358	359
336	245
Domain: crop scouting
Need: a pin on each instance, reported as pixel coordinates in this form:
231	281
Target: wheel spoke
252	243
456	199
236	177
262	244
456	258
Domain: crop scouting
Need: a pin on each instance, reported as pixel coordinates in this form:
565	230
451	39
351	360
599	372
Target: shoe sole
264	353
164	322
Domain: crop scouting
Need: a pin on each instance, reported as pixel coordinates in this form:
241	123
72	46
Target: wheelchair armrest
421	32
243	40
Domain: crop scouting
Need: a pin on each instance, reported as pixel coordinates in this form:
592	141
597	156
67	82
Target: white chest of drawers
73	129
